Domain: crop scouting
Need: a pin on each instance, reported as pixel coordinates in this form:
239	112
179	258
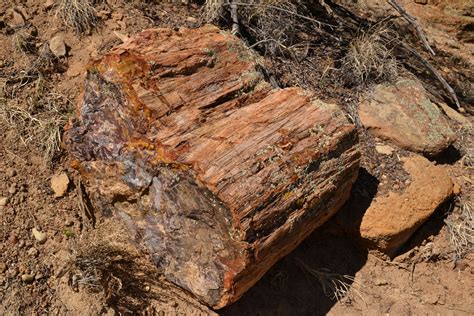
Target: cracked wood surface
215	172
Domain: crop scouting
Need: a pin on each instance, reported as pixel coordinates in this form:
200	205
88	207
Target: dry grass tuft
369	60
342	288
24	43
79	15
460	225
275	26
41	122
44	63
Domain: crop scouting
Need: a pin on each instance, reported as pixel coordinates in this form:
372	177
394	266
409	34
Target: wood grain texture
215	172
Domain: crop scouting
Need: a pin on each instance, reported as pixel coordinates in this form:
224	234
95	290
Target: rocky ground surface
52	256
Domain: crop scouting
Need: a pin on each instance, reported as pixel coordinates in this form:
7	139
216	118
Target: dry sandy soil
38	278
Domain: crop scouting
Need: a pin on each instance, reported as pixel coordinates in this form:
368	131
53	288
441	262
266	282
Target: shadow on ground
300	284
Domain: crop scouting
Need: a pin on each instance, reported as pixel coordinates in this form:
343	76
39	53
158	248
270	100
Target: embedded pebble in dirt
39	236
59	184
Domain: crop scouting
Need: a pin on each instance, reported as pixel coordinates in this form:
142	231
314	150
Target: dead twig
235	18
85	205
412	21
438	76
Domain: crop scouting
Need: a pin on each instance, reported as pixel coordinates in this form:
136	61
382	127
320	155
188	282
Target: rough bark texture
216	173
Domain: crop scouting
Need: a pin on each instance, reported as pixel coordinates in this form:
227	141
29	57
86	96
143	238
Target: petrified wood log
216	173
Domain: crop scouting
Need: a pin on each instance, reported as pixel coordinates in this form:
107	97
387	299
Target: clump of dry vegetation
460	225
79	15
342	288
39	124
24	42
37	119
369	59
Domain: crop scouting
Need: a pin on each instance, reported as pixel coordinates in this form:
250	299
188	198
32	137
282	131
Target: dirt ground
423	279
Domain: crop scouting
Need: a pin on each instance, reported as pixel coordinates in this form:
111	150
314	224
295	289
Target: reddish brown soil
423	279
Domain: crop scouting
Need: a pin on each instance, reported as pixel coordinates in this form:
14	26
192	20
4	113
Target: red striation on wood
215	172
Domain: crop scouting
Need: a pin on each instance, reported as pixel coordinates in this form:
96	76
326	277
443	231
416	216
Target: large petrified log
215	172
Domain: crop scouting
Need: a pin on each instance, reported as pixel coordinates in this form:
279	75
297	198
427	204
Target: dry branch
412	21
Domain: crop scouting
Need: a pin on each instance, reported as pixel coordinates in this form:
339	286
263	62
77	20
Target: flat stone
390	220
14	19
58	46
404	115
27	278
4	200
39	236
384	149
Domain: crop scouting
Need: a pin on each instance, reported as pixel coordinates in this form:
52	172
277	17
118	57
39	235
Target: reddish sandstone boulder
403	114
217	174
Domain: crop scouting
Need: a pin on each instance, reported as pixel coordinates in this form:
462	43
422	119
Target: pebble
58	46
38	276
11	173
380	282
12	189
39	236
13	239
12	272
3	201
384	149
48	4
33	252
59	184
21	244
191	19
13	18
3	267
27	277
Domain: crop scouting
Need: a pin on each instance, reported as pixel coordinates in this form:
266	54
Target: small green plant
68	232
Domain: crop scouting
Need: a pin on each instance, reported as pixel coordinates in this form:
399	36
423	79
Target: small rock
191	19
3	267
57	45
39	236
27	278
11	173
48	4
38	276
12	189
384	149
380	282
33	252
147	288
4	201
21	244
12	272
59	184
14	18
